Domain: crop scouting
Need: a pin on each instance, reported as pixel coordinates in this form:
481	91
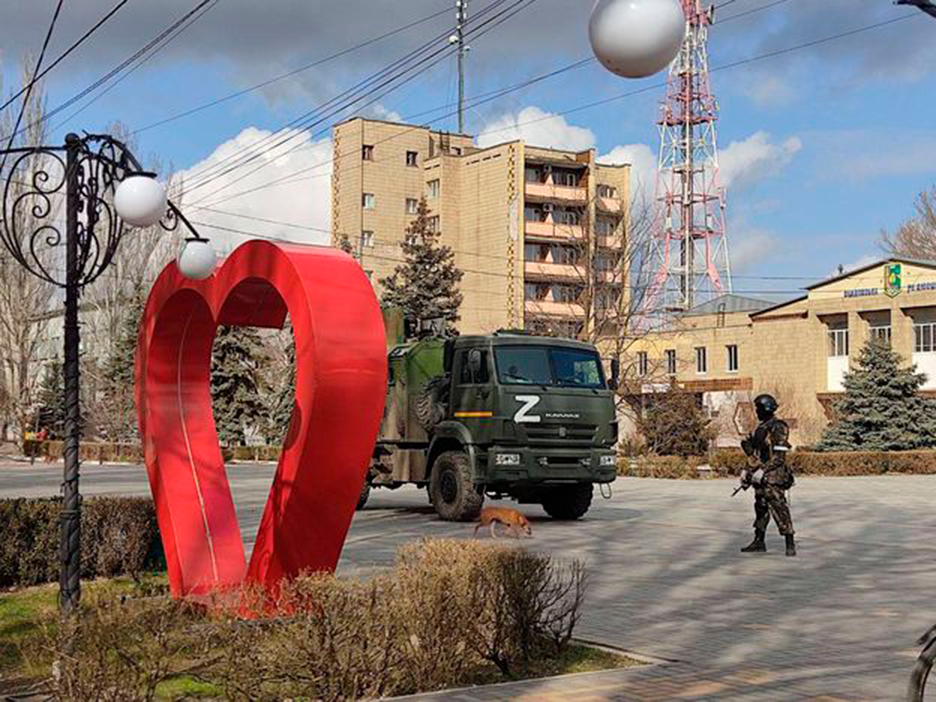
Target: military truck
508	414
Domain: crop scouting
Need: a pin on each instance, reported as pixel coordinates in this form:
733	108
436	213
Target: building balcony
553	232
608	204
556	310
544	270
614	241
548	191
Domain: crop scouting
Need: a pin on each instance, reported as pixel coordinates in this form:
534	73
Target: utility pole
461	17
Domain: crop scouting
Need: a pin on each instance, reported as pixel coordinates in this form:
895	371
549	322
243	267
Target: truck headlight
606	461
507	459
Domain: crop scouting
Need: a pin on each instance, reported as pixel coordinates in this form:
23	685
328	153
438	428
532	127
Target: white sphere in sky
636	38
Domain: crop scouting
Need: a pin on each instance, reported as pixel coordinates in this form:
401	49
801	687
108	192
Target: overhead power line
100	23
29	87
179	31
423	65
339	103
152	44
289	74
291	178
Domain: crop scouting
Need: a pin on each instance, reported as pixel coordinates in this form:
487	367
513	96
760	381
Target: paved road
837	622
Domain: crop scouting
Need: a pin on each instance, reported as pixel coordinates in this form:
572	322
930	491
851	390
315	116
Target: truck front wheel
568	502
453	492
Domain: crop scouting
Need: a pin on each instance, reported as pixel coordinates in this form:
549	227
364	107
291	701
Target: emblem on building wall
892	279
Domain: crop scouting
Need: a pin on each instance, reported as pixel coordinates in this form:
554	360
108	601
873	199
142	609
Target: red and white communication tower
689	247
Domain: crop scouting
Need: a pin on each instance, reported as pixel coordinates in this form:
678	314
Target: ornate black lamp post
105	189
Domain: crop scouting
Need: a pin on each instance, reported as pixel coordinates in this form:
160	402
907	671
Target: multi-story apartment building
539	234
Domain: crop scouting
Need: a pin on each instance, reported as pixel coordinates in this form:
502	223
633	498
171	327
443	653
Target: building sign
892	279
862	292
920	287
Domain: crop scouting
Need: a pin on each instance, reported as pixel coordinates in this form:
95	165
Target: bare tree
916	237
25	300
107	304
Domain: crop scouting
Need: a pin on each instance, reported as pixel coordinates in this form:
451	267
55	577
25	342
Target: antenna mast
689	249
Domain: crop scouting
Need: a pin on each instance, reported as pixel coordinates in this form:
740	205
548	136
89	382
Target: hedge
119	536
730	462
133	453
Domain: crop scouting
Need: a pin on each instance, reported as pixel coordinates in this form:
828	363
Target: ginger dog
515	522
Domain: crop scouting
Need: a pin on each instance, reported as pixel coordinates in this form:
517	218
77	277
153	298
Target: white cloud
256	193
745	162
643	163
537	128
748	246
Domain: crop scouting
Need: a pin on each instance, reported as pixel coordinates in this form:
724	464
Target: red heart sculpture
341	380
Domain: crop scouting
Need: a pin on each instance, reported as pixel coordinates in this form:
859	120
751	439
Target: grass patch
186	688
449	614
22	612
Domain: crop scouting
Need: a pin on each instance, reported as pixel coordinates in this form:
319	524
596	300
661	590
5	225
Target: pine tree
235	383
50	410
282	399
425	287
674	425
118	416
882	409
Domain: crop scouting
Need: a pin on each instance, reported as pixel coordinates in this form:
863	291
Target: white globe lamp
197	260
141	200
636	38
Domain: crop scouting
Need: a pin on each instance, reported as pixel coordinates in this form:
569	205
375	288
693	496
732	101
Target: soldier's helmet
765	406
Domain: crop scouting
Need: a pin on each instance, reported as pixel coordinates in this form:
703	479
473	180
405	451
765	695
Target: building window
532	175
565	178
411	239
607	191
671	361
434	224
367	152
881	333
535	291
924	338
701	361
643	364
534	214
412	158
367	238
368	201
732	358
838	342
412	205
605	227
535	252
433	188
457	150
566	217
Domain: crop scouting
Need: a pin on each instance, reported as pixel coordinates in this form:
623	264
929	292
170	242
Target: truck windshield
545	365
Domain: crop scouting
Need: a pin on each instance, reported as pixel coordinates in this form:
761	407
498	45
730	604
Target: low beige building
531	228
731	349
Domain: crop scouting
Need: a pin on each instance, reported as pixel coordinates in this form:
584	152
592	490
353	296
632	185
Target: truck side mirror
615	374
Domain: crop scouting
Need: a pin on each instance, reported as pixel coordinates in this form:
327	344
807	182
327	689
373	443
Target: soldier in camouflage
769	474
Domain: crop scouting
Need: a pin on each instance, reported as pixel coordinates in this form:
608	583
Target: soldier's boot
790	545
757	545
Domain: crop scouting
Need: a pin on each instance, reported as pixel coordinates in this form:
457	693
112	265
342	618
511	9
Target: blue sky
823	147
